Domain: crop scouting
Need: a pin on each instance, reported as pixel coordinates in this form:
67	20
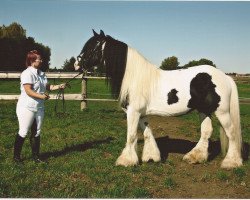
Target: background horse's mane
115	60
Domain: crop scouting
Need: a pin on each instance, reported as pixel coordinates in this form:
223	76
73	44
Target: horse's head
107	53
92	52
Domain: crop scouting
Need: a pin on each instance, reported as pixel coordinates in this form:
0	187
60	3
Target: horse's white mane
139	80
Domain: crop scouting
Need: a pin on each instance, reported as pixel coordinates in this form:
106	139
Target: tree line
14	46
172	63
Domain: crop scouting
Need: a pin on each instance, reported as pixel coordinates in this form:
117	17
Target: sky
218	31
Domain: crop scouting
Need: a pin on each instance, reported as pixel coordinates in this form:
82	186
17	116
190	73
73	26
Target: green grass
206	177
240	173
222	175
66	142
170	183
81	149
244	90
82	146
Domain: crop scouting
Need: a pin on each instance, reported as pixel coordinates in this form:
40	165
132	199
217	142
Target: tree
170	63
202	61
14	31
14	46
68	65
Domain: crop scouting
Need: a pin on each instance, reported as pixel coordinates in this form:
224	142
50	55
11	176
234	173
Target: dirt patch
183	180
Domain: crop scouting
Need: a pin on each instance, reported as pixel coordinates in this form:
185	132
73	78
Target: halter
79	57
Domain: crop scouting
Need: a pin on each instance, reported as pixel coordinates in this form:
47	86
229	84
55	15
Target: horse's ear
95	34
102	33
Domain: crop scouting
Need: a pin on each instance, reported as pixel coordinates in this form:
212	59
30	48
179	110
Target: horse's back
179	91
181	76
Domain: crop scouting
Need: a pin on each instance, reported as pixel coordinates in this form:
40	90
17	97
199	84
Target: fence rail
49	75
80	97
60	75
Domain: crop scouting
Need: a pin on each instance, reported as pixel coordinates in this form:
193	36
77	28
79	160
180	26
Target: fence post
84	93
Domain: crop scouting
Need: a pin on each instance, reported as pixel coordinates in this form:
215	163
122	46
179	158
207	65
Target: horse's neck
134	58
140	75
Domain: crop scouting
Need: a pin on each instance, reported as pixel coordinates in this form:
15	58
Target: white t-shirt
39	81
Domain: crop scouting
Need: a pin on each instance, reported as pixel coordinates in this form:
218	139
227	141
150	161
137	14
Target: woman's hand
29	91
45	96
56	87
62	86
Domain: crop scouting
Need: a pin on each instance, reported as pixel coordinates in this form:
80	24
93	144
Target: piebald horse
144	89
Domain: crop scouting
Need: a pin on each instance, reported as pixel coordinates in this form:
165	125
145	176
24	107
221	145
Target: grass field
81	148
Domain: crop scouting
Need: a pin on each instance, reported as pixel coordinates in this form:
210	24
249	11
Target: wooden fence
66	75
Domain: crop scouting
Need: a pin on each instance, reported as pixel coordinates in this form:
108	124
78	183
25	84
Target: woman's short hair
31	57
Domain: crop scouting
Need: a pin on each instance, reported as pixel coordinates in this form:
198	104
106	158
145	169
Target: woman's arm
55	87
32	93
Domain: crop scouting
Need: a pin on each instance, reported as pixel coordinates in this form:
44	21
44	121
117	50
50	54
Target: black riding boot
35	146
18	148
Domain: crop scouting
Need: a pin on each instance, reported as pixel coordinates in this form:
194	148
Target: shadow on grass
246	149
168	145
78	147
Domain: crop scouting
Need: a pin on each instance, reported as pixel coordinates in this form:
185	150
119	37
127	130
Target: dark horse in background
145	89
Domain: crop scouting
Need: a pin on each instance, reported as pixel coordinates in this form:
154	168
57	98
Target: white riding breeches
26	119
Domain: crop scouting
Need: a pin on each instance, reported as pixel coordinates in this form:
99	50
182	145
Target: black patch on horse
203	95
172	97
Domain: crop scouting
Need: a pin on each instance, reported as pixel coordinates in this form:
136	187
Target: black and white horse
145	89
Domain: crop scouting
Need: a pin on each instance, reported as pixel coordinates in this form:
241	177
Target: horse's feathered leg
150	149
200	152
229	117
233	157
129	156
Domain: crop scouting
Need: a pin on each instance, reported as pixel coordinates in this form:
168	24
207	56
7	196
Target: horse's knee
132	139
227	124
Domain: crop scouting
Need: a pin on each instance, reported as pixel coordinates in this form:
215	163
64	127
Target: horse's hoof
231	163
150	158
121	161
195	156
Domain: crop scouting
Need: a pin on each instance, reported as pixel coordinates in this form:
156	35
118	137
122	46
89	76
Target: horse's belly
163	109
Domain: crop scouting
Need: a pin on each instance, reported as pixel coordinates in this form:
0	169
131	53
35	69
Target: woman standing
30	105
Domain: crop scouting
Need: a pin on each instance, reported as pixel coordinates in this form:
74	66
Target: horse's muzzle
76	66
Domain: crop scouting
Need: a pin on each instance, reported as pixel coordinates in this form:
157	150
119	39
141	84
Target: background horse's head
92	52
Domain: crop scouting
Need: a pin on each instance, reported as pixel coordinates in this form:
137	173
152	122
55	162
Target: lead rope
60	95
